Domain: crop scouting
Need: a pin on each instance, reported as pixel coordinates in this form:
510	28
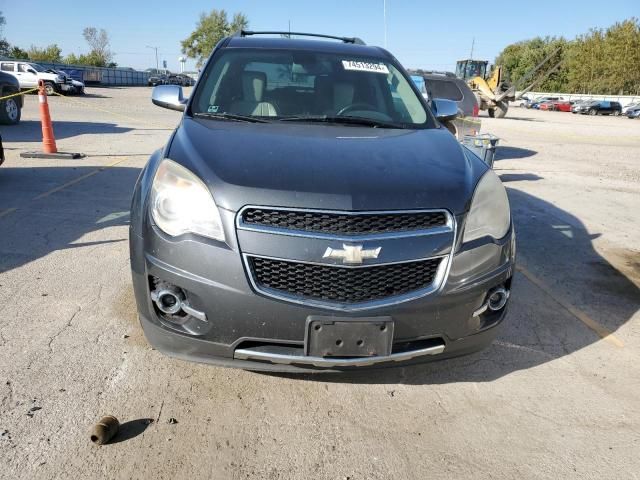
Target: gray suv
310	212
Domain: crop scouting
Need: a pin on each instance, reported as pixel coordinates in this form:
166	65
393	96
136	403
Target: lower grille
343	285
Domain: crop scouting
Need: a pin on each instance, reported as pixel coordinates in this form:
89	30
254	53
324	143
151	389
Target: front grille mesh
343	224
343	285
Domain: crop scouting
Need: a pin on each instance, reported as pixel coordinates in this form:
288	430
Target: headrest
253	84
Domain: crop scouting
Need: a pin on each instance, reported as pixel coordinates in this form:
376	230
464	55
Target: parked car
631	106
11	108
538	101
28	75
70	85
633	112
556	105
186	80
598	107
525	101
323	219
447	86
157	80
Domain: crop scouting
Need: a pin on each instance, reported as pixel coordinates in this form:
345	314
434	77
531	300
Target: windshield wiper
229	116
339	119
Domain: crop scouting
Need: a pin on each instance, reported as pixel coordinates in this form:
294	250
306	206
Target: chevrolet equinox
310	212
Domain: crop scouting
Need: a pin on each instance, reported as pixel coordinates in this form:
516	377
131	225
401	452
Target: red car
556	105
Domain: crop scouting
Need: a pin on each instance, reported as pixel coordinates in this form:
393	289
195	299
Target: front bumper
248	330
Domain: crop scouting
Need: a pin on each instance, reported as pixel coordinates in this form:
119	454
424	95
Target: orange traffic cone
48	140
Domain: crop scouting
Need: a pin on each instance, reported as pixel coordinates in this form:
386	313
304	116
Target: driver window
23	68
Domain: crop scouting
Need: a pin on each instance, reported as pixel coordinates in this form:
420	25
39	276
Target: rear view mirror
169	96
445	110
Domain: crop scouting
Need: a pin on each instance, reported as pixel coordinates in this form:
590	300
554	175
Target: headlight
180	203
489	213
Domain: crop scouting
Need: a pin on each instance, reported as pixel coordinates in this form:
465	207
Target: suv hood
326	166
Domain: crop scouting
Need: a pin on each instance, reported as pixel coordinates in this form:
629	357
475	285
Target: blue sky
422	33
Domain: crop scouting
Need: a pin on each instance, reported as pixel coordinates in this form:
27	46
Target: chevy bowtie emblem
353	254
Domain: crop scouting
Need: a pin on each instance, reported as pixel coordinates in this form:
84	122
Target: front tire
49	88
10	112
592	112
616	113
501	109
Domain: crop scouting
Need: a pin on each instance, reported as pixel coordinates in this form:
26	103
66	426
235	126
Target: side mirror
445	110
31	70
169	96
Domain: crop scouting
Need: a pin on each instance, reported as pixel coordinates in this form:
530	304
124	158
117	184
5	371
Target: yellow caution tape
19	93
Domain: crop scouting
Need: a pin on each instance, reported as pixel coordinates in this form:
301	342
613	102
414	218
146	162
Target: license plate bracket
348	337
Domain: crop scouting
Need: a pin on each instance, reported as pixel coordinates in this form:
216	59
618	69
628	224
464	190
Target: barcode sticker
365	66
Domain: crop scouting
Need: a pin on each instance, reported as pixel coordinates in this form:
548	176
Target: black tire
491	112
593	112
501	110
616	113
49	88
10	112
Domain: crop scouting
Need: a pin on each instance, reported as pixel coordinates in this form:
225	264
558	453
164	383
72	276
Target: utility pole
473	42
157	64
384	12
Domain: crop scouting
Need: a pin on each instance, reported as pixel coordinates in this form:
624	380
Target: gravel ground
556	396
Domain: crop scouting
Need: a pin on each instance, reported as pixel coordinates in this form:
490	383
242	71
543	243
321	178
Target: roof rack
354	40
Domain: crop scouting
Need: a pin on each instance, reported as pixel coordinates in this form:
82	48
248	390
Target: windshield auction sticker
365	66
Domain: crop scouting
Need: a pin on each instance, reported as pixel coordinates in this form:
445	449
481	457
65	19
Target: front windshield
37	67
294	85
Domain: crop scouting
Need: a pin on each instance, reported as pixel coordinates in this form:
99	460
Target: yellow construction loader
493	92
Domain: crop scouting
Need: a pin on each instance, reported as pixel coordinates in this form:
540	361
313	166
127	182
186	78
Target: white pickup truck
28	75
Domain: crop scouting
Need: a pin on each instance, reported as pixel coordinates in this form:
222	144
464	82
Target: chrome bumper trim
246	354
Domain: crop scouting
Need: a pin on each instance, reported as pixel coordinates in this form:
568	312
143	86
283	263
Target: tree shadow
60	220
556	249
517	119
511	153
131	429
519	177
91	95
30	131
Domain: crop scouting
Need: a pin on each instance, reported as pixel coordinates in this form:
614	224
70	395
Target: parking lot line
6	212
79	179
599	329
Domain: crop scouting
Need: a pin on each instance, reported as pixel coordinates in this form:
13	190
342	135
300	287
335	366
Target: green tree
211	28
4	45
18	53
601	61
98	40
520	58
51	53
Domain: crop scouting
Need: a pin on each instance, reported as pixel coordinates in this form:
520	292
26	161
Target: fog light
498	299
168	300
172	301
